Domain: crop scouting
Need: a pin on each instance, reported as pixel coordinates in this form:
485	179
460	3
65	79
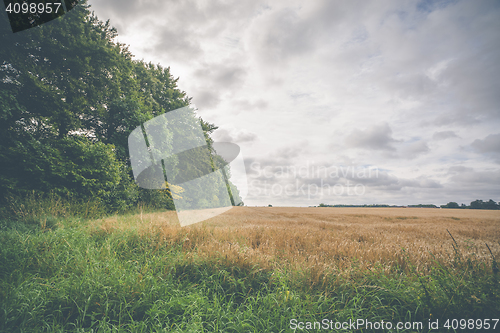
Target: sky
337	102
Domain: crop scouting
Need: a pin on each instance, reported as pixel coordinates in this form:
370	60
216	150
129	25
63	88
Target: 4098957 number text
33	8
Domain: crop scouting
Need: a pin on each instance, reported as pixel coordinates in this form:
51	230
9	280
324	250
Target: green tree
478	204
69	98
451	205
491	205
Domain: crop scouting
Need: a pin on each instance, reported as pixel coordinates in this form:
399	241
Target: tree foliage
69	97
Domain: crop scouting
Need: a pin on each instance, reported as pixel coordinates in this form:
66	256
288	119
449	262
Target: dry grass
326	241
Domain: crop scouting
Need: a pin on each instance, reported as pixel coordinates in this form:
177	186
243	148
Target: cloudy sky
337	102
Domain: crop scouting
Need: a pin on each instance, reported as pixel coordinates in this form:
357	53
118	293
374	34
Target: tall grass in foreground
44	209
50	205
247	271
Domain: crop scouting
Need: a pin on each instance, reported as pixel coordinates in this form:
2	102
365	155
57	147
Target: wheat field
327	241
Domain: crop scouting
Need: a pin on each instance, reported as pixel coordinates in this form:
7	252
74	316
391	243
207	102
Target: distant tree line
422	206
478	204
375	205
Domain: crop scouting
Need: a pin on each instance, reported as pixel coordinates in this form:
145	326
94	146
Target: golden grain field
324	241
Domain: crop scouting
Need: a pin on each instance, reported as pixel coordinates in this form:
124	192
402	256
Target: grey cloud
187	12
478	97
461	116
219	79
177	27
206	99
456	169
428	183
444	135
176	44
414	149
168	24
445	62
388	181
470	184
476	178
222	76
285	36
465	184
412	85
473	75
286	33
378	137
490	144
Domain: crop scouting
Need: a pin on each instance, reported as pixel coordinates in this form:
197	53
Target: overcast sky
337	102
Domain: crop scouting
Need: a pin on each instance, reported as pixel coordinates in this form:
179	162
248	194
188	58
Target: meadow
251	270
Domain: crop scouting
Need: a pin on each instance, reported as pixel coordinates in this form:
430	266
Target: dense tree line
374	205
422	206
477	204
69	97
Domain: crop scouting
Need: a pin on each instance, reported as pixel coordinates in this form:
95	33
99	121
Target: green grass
58	276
